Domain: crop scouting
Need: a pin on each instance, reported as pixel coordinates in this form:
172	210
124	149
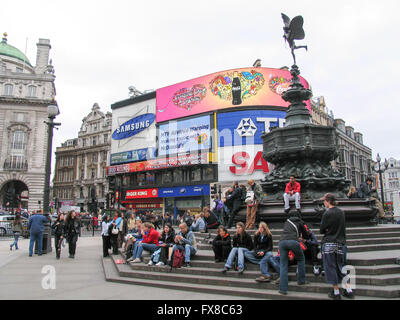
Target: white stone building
26	90
391	183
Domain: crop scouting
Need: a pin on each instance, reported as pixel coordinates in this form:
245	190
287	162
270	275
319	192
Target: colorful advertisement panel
225	89
246	127
185	191
133	155
184	136
164	163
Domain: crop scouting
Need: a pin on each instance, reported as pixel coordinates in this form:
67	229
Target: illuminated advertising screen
184	136
246	127
225	89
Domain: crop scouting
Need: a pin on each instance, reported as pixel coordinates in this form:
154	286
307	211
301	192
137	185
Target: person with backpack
222	244
218	209
166	241
311	249
252	200
242	243
263	245
293	228
333	227
185	242
236	199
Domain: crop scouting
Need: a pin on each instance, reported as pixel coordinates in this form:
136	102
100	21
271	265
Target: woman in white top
106	235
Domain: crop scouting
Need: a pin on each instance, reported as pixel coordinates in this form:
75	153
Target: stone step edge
243	292
390	289
231	274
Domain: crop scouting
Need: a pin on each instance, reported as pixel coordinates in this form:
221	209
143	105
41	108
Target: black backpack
243	194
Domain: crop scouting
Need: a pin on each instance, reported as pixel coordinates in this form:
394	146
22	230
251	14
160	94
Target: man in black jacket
334	230
292	230
366	190
236	198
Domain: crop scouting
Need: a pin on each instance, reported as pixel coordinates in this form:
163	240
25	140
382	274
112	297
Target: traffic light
214	189
111	183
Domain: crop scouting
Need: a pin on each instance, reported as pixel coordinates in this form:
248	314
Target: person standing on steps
58	227
72	231
105	234
333	242
252	206
293	229
236	199
17	230
292	192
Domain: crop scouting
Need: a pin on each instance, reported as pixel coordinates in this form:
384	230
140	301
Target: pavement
81	278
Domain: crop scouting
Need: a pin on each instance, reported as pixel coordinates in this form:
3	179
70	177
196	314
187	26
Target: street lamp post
381	169
52	111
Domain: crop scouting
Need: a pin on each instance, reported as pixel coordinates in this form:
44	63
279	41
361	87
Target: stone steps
372	251
181	275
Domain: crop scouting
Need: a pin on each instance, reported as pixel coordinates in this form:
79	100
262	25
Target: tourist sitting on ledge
210	219
292	192
149	243
186	240
198	224
352	194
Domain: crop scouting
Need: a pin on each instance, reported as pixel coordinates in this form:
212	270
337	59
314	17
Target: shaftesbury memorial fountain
305	150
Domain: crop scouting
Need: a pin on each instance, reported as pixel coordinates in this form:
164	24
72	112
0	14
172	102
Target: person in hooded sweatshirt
293	229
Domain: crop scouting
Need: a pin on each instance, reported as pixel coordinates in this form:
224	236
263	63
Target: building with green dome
26	90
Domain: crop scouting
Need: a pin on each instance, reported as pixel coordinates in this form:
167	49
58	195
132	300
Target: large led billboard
222	90
184	136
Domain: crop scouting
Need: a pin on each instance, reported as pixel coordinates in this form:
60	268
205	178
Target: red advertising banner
142	193
163	163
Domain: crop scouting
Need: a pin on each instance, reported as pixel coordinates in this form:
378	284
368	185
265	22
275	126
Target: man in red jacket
292	192
149	243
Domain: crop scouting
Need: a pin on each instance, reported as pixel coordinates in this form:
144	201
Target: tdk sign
133	126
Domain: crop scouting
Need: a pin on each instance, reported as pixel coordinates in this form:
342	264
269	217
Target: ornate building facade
26	90
80	175
354	158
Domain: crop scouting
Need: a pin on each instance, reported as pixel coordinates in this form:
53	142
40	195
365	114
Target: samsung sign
133	126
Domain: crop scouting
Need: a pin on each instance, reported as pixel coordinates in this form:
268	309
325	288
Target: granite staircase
371	250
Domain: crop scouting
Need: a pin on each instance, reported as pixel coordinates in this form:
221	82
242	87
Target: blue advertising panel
246	127
184	191
133	126
133	155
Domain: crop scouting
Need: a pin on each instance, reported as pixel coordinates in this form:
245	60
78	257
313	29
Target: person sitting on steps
292	192
242	243
222	244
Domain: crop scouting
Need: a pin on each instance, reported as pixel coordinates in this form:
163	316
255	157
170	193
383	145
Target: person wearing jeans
17	230
187	239
293	228
36	227
242	243
149	242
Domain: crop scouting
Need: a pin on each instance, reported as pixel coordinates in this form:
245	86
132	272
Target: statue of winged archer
293	31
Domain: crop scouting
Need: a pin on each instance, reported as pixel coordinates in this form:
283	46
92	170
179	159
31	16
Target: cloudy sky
100	48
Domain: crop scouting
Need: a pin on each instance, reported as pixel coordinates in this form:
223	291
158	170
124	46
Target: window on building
8	89
19	116
84	142
141	179
106	138
195	174
104	156
150	178
82	174
125	180
166	177
18	69
104	172
208	173
94	157
71	161
94	140
93	173
81	192
19	140
178	175
31	91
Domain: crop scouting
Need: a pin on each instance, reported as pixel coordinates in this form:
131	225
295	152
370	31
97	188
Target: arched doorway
14	194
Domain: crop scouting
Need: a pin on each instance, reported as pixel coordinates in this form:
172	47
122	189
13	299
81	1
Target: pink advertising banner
226	89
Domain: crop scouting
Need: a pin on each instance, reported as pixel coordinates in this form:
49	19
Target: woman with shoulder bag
58	226
72	231
113	231
167	241
17	229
